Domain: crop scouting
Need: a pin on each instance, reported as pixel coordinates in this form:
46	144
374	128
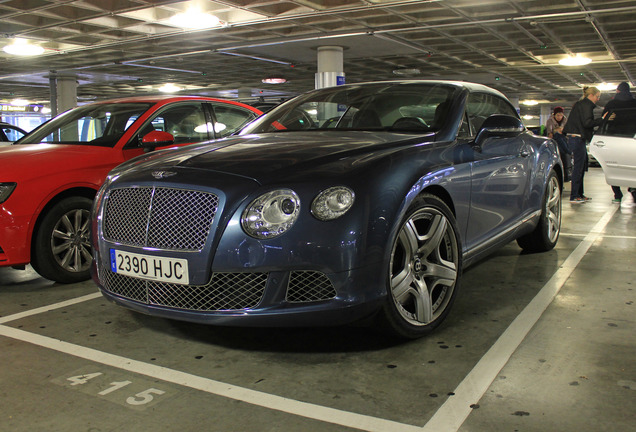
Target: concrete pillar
330	67
66	92
546	112
53	89
330	74
515	103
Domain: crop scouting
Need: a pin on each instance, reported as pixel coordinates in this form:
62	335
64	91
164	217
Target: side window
12	134
230	119
480	106
185	121
623	125
464	129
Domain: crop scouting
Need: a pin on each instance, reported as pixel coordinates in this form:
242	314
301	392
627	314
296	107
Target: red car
49	178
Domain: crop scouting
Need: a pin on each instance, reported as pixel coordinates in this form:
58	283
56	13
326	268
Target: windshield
100	125
400	107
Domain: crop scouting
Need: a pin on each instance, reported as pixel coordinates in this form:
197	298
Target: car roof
470	86
170	99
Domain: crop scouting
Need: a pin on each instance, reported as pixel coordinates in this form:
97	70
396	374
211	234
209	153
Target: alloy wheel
553	209
424	266
70	241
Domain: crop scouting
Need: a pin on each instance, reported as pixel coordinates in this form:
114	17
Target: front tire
424	270
61	246
546	234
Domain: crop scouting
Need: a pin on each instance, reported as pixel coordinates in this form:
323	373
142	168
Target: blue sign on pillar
340	80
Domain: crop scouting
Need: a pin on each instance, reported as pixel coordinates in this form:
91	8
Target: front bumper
14	238
318	273
271	299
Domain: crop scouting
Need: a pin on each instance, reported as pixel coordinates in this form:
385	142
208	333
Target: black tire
61	246
424	270
546	234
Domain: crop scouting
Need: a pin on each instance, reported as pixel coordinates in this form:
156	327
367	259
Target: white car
614	147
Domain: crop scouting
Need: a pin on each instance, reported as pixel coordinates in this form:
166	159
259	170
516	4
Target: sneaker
586	198
616	201
577	200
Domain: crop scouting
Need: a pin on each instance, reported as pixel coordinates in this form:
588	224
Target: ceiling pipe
160	68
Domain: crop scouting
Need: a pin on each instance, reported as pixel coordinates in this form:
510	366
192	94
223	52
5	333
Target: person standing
554	129
622	99
579	130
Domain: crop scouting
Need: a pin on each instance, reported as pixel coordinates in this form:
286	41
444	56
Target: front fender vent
309	286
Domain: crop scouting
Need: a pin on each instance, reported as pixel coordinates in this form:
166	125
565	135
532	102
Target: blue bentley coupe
362	201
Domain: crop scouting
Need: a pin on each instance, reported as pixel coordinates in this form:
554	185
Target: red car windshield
99	125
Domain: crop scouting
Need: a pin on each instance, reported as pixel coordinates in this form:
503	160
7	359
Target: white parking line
48	308
455	410
279	403
448	418
623	237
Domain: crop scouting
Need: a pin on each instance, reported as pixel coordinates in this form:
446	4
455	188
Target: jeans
579	153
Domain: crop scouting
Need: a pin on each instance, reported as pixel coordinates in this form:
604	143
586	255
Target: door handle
599	143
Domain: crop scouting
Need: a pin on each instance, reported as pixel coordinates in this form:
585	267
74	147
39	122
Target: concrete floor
540	342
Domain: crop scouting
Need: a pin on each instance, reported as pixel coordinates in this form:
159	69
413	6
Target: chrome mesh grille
309	286
161	218
126	215
225	291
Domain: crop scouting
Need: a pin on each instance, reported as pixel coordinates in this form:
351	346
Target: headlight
5	191
271	214
332	203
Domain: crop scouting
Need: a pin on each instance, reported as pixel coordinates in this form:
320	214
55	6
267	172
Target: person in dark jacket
579	130
622	100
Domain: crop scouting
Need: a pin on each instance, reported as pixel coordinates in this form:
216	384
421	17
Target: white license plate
149	267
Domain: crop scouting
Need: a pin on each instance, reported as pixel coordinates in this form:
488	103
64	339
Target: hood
35	160
267	156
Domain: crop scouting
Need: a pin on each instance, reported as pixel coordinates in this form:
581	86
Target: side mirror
499	125
155	139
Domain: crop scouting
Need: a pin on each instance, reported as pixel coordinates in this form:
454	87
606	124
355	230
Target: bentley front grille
225	291
162	218
309	286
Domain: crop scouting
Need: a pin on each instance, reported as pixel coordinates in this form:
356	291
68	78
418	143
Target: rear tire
424	270
61	246
546	234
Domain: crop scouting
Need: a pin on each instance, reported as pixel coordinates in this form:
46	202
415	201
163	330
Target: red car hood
20	162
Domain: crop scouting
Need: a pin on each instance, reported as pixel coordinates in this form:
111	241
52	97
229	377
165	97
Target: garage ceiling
126	47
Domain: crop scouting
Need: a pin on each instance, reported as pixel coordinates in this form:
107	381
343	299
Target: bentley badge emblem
162	174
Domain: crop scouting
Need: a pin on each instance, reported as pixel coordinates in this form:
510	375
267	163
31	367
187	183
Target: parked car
614	147
10	133
48	180
351	202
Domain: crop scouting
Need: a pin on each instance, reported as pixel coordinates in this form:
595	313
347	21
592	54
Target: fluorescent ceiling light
606	86
575	61
218	127
194	19
528	117
530	102
19	102
21	47
407	71
274	80
169	88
